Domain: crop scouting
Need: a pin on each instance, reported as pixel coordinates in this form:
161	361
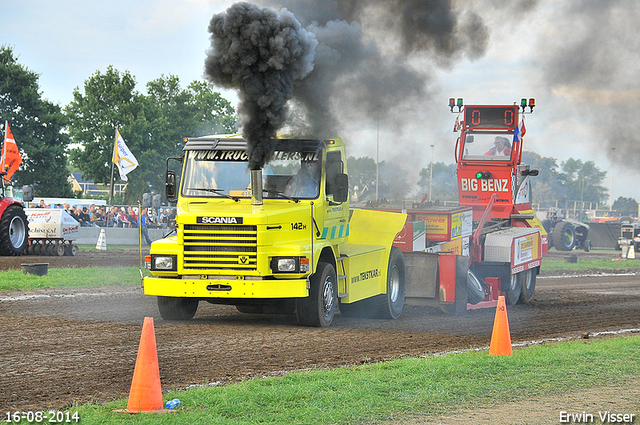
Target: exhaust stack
256	187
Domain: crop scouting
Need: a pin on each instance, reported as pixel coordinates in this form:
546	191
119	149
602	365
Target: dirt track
60	347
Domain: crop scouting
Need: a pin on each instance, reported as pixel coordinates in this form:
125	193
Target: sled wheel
513	291
528	286
59	249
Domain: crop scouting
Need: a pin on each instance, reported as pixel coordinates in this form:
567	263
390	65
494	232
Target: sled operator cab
489	163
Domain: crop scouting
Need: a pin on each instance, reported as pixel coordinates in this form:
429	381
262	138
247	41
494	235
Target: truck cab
276	239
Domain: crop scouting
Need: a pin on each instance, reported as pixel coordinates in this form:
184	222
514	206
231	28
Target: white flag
123	157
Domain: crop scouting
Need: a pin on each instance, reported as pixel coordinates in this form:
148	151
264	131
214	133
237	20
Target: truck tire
390	304
14	231
177	308
513	289
528	286
319	307
564	236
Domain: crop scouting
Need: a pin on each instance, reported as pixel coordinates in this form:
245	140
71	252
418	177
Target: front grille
220	247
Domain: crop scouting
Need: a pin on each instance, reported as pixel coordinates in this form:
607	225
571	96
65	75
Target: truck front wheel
177	308
319	307
14	231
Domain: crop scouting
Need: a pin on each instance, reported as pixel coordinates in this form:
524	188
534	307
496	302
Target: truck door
336	210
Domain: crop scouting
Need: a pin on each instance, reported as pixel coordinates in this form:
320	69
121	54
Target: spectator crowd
116	216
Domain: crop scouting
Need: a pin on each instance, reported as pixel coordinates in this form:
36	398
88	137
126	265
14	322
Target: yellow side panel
366	270
370	227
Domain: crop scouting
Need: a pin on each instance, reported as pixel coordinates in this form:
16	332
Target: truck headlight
164	262
289	264
286	265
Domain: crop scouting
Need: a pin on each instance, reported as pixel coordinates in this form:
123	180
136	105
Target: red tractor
14	227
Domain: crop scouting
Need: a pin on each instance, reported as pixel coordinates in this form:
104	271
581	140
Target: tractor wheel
513	291
177	308
564	236
14	231
319	307
528	286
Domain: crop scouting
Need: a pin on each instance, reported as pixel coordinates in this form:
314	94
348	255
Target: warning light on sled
483	175
532	104
452	103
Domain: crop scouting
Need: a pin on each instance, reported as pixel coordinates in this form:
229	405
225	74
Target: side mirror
341	188
27	193
170	186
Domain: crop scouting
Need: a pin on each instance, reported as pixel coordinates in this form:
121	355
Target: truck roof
236	142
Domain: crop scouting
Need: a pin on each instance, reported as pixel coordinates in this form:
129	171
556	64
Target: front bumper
225	288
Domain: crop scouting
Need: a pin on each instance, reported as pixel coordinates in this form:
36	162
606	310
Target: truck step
342	295
342	276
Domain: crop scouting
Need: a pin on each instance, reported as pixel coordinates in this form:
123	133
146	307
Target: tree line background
55	141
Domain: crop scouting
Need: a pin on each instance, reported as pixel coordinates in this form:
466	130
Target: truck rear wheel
513	291
319	307
177	308
14	231
391	303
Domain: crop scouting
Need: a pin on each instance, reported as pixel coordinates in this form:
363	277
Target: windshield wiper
281	194
214	190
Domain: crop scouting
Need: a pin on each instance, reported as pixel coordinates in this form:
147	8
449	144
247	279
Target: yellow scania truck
280	239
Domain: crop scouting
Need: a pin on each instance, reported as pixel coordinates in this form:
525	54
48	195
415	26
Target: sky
579	59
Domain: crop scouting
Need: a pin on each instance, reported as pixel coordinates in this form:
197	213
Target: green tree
626	206
583	181
547	187
109	102
362	177
443	183
152	125
37	126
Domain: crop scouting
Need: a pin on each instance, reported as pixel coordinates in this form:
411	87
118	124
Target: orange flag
11	158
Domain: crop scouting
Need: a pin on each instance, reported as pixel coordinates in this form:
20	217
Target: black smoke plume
367	66
261	54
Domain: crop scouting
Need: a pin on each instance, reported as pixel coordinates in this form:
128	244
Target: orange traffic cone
145	395
500	337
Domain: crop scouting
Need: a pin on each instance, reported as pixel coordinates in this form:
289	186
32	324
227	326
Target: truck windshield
487	146
217	173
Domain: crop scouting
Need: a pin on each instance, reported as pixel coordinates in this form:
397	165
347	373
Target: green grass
397	389
111	247
78	277
68	277
559	265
